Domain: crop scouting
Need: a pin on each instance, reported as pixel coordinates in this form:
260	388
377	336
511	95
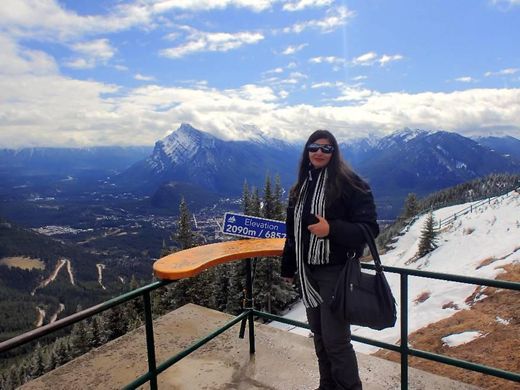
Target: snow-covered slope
478	244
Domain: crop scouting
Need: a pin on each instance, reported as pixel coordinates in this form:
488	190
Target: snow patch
456	339
502	321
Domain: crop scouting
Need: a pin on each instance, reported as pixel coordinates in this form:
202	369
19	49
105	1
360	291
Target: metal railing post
404	331
249	299
150	345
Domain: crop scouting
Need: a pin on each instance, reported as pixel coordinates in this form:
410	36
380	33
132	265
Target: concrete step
282	360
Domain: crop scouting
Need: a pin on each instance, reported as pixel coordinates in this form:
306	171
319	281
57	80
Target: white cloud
371	58
121	68
80	63
50	20
336	17
505	4
59	110
503	72
141	77
385	59
18	60
273	71
294	49
91	53
295	78
160	6
359	78
327	84
328	60
365	59
351	93
99	48
465	79
41	107
199	41
302	4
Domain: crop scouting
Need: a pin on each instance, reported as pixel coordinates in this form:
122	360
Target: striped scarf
319	248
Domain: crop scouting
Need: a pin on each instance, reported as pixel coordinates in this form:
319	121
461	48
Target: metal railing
249	313
459	213
473	206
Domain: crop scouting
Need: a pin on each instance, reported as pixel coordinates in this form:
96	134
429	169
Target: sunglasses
327	149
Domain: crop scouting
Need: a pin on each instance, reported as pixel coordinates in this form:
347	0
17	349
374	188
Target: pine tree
59	354
411	206
427	241
184	235
246	199
255	208
36	365
134	309
78	339
94	334
268	202
113	322
278	209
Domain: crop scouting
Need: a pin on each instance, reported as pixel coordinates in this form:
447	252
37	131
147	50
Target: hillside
41	276
483	243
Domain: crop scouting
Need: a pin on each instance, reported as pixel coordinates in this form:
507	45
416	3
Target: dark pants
336	357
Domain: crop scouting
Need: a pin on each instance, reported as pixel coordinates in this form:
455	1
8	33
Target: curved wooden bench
191	262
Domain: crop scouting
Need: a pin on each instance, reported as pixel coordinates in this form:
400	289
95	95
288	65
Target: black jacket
346	238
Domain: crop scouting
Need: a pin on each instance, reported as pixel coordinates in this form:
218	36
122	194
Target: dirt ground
23	262
498	348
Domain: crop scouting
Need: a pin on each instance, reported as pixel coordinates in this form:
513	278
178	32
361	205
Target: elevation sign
252	227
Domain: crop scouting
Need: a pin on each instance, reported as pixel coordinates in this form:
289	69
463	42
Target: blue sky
85	73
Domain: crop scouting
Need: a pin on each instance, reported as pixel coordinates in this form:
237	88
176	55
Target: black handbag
361	298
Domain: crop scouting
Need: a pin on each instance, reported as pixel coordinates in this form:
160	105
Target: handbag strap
369	237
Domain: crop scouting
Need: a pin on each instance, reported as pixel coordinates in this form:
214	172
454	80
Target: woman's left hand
321	228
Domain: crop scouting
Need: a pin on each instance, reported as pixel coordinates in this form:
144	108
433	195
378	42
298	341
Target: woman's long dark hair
340	173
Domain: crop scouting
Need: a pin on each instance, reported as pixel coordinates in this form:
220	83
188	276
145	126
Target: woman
325	204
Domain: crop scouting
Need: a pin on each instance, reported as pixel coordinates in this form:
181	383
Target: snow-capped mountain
423	161
481	243
403	162
507	146
191	155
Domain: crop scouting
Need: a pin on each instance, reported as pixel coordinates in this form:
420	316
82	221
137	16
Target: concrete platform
283	361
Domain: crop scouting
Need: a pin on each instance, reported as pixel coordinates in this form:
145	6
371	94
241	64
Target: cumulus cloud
327	84
199	41
371	58
328	60
302	4
465	79
503	72
335	18
160	6
58	110
385	59
365	59
91	53
18	60
294	49
50	20
142	77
